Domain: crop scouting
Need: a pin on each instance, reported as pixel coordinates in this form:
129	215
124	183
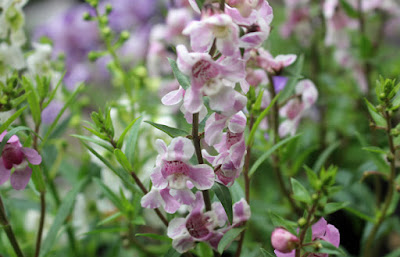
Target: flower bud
87	16
302	222
283	241
108	8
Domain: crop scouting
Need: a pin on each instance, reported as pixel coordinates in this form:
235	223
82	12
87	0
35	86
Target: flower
16	156
283	241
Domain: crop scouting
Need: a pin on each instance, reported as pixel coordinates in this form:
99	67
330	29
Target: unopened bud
283	241
106	31
302	222
87	16
108	8
125	35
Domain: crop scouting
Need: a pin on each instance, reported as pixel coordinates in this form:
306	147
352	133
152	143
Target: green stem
41	222
9	231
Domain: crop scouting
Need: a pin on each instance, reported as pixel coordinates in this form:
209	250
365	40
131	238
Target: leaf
300	160
37	178
266	253
360	214
290	85
263	157
330	248
33	99
300	193
224	196
278	221
350	11
334	207
203	250
313	178
374	149
110	218
200	3
126	130
172	253
123	160
98	142
60	218
257	103
395	253
324	156
53	93
366	47
172	132
110	195
10	120
106	230
70	100
375	115
132	141
155	236
182	78
228	238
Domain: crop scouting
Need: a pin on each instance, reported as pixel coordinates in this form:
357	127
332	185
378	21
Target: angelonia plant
200	128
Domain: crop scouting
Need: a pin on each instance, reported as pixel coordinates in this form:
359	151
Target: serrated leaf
172	132
279	221
300	193
228	238
224	195
378	119
122	160
296	70
374	149
334	207
324	156
182	78
270	151
126	130
96	141
59	220
155	236
10	120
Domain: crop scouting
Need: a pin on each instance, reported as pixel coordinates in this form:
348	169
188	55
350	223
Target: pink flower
219	27
274	64
283	241
14	155
320	231
174	172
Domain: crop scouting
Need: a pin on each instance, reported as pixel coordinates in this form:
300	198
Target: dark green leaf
313	178
172	253
228	238
350	11
223	194
266	253
360	214
200	3
155	236
10	120
300	193
33	99
366	47
182	78
172	132
380	163
333	207
330	249
278	221
376	116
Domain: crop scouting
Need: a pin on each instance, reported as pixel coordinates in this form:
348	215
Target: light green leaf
126	130
132	141
330	249
350	11
98	142
110	195
295	70
37	178
172	132
279	221
376	116
33	99
182	78
334	207
228	238
360	214
313	178
374	149
300	193
109	219
203	250
10	120
266	253
224	195
123	160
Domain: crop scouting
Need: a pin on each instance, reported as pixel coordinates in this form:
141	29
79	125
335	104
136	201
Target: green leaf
300	160
126	130
300	193
228	238
10	120
259	119
224	196
33	99
376	116
172	132
37	178
279	221
266	253
53	93
97	133
396	102
61	216
374	149
257	103
324	156
123	160
270	151
330	249
366	47
98	142
350	11
360	214
200	3
71	99
203	250
334	207
313	178
110	195
182	78
106	230
132	141
109	219
155	236
395	253
295	70
172	253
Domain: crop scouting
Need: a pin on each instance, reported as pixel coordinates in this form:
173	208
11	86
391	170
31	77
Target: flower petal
177	228
319	228
20	178
152	199
171	205
4	173
32	156
180	149
173	97
183	196
202	176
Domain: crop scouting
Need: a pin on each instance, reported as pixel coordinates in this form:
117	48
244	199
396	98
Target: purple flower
16	156
283	241
320	231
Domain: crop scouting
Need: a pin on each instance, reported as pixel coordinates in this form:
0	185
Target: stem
381	217
275	157
197	147
9	231
41	222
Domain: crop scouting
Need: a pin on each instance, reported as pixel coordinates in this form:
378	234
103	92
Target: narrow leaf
172	253
110	219
224	196
296	75
172	132
360	214
10	120
376	116
182	78
132	141
266	253
330	249
98	142
33	99
278	221
155	236
374	149
126	130
334	207
228	238
122	160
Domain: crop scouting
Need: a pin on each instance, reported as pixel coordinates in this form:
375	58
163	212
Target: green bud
87	16
108	8
390	157
106	31
318	246
125	35
93	56
103	20
302	222
141	71
382	96
314	197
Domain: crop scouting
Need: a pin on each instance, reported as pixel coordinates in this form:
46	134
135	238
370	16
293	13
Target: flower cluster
17	157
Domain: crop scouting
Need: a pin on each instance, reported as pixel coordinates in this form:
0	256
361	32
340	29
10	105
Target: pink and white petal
194	5
319	228
253	40
157	179
215	239
180	149
177	228
202	176
237	123
286	60
161	147
171	204
13	138
198	204
193	101
237	152
32	155
183	244
214	127
210	158
152	199
20	178
173	97
226	46
279	254
220	213
241	212
4	173
332	235
286	128
183	196
201	36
